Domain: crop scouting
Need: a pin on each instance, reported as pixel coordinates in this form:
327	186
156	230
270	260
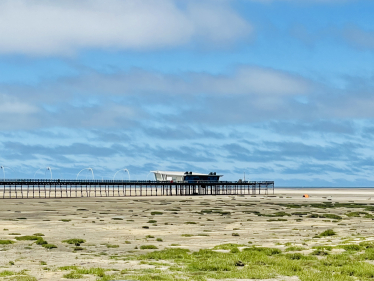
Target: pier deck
27	188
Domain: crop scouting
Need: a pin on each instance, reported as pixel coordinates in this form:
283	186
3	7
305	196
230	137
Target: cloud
183	132
243	81
295	128
268	151
11	105
358	37
63	27
145	99
126	99
137	98
351	34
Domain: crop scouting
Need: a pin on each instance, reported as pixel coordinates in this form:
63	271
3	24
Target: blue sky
279	90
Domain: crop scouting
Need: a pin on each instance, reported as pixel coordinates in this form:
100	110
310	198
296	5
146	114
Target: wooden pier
37	188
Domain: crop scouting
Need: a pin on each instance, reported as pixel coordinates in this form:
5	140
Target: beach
116	228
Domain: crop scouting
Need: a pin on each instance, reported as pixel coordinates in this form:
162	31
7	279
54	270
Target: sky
277	90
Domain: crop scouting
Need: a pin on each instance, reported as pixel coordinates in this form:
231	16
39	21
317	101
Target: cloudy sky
279	90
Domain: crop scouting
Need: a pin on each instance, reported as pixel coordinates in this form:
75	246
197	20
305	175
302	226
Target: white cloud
124	99
64	26
245	80
9	105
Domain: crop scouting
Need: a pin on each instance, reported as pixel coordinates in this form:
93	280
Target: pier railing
45	188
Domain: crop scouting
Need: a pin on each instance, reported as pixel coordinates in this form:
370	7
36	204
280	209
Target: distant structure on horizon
185	176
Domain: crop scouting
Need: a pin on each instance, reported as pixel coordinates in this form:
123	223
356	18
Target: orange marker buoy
306	195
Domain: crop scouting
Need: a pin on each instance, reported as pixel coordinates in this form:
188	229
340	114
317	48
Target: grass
38	241
41	242
28	238
320	253
17	276
328	248
156	213
74	241
277	214
350	247
73	275
228	246
358	214
299	213
6	273
346	262
6	242
49	246
260	263
65	220
146	247
328	232
328	216
294	249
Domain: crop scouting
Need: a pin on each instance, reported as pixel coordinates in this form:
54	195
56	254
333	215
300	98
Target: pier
48	188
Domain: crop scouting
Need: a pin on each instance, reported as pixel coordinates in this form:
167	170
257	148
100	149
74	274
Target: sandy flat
179	221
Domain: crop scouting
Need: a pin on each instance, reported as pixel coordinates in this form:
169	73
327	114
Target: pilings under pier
27	188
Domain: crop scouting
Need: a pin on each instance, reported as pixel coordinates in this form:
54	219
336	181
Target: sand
104	222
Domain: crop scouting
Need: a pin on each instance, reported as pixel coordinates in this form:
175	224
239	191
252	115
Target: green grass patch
146	247
27	238
74	241
251	263
299	213
6	273
328	216
327	248
328	232
6	242
49	246
294	249
228	246
73	275
350	247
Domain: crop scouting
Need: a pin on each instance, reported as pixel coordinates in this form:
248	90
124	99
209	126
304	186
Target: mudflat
187	238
